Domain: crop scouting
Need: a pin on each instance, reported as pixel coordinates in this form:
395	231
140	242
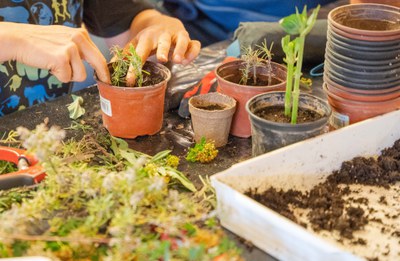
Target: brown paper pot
129	112
211	115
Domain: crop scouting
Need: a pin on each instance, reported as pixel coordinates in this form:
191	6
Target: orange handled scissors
29	171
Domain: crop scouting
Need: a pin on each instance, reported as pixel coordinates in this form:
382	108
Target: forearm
8	41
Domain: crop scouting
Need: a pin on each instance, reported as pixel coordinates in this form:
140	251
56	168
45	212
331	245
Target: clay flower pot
348	111
228	75
384	2
129	112
268	135
370	22
211	116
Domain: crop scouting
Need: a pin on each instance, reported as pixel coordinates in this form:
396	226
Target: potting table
176	135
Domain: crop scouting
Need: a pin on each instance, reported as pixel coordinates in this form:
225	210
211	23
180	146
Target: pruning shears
29	171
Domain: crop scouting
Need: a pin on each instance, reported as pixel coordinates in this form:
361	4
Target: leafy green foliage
203	152
298	24
124	60
103	201
7	167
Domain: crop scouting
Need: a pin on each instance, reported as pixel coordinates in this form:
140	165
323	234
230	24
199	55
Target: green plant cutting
123	61
101	200
254	58
300	25
203	152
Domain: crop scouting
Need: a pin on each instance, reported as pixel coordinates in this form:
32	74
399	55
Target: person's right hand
60	49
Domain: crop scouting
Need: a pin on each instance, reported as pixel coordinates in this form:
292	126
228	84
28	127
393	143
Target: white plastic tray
299	166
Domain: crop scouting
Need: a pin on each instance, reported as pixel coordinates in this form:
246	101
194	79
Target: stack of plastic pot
362	62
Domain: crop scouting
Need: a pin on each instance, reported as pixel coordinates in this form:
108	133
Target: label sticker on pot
105	106
339	120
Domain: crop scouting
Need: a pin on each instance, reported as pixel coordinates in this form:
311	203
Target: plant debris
102	201
203	152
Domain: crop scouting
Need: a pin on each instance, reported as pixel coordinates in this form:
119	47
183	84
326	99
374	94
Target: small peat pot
129	112
268	135
211	116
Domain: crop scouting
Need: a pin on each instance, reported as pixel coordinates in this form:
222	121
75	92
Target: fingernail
177	58
185	62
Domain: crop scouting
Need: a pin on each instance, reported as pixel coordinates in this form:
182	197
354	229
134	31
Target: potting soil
356	207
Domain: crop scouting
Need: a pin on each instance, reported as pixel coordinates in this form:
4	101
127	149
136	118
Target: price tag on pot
105	106
339	120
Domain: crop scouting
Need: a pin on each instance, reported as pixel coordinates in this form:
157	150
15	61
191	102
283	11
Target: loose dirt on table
356	206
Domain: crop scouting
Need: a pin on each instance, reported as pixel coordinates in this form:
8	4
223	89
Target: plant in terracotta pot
282	118
131	109
252	74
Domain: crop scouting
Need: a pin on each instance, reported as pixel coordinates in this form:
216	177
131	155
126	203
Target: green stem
289	84
297	75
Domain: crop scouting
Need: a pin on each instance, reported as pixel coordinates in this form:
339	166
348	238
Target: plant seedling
123	62
296	24
253	59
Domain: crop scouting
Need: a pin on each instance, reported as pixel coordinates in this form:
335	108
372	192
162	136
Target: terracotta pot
211	116
355	111
268	135
242	93
129	112
367	97
370	22
384	2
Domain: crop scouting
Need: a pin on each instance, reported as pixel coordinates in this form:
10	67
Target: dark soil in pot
277	114
211	107
335	206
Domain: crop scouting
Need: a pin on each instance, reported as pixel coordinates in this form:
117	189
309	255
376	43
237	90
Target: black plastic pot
352	72
269	135
351	83
369	54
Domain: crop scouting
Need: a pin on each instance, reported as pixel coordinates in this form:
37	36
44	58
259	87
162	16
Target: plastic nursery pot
362	43
357	83
353	72
211	116
348	95
370	22
390	93
355	111
268	135
228	74
129	112
385	2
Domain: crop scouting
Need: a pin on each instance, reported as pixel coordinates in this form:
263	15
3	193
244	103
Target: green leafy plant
203	151
123	61
254	58
299	24
101	200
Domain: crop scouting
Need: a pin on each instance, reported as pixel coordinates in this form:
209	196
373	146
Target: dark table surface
176	135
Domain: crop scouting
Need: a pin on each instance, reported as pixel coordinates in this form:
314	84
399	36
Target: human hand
154	32
59	49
